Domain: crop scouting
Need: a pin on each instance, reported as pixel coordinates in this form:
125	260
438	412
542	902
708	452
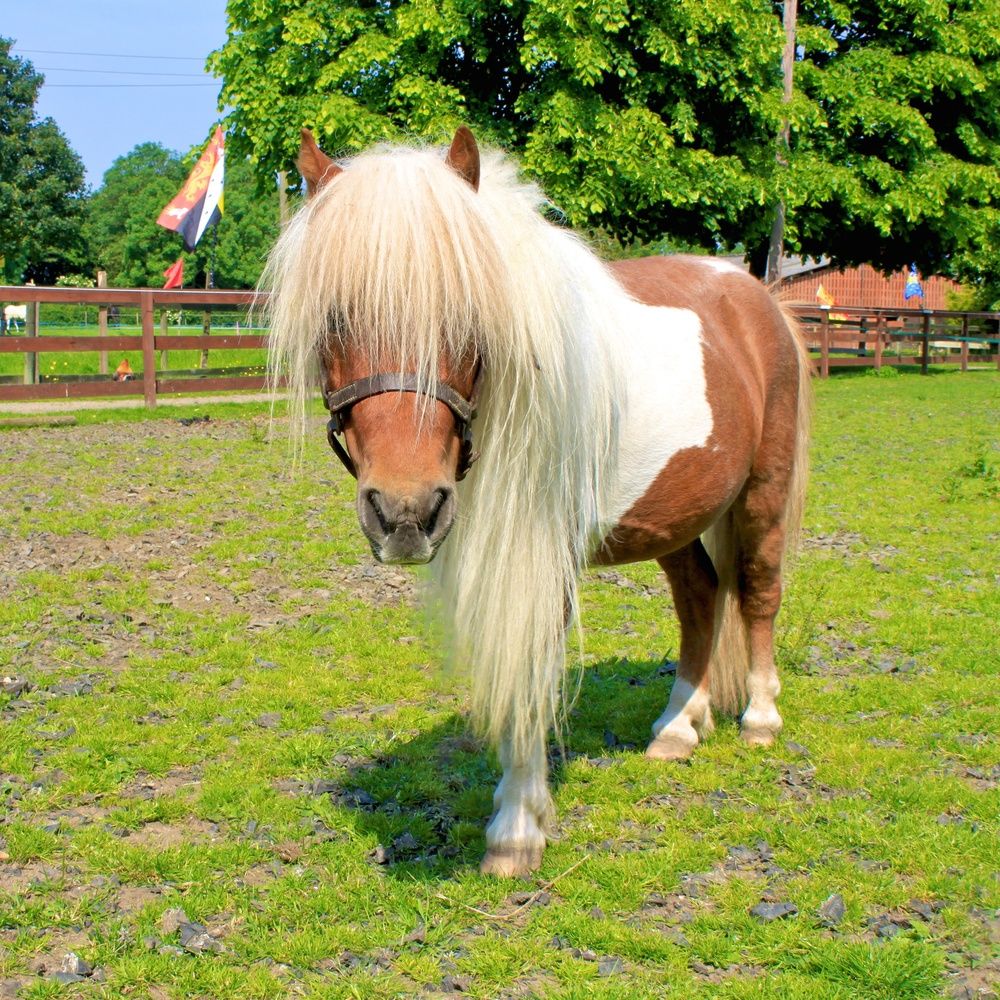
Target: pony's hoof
511	862
668	747
757	737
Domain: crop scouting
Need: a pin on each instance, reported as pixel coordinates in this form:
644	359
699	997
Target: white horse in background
11	314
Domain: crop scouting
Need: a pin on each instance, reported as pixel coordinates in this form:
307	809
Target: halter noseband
339	404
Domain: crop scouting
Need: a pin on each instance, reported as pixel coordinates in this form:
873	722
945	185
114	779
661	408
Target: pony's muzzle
406	528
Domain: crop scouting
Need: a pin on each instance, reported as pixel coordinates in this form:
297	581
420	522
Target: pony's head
402	397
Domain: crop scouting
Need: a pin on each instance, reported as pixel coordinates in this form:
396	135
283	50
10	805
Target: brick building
861	286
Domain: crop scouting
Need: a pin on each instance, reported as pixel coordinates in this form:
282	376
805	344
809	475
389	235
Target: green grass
207	640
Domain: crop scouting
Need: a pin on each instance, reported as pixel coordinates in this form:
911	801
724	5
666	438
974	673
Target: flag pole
206	316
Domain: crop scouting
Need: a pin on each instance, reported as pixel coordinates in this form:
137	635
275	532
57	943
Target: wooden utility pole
776	250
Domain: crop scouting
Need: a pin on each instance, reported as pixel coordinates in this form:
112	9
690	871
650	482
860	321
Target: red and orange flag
200	202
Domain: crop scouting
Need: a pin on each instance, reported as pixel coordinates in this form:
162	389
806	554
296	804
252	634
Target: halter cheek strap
339	404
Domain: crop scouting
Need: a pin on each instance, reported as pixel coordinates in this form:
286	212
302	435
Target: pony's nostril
441	498
372	496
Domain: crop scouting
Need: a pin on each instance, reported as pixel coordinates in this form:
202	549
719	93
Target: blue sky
107	84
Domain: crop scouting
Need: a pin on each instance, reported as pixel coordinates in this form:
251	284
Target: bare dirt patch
162	836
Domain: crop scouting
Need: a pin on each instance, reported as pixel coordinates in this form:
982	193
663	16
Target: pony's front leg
515	837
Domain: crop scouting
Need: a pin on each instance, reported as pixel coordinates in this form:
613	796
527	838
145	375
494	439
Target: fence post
879	333
925	350
102	324
31	330
824	343
148	348
965	342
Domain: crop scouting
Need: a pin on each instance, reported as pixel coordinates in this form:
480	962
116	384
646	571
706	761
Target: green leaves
41	182
655	120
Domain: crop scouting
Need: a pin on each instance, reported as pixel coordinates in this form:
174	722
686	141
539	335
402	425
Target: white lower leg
515	837
761	721
687	717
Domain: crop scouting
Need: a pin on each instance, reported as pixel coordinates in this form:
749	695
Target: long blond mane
401	258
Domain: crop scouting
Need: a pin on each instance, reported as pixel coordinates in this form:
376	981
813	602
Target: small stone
66	977
455	984
196	939
406	842
171	920
773	911
15	686
832	910
741	855
72	963
269	720
585	953
922	909
597	913
796	748
610	966
288	851
322	787
417	936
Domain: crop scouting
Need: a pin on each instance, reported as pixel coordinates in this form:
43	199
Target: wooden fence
851	336
841	336
146	301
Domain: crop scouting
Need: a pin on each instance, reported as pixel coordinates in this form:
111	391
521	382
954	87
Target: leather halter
339	404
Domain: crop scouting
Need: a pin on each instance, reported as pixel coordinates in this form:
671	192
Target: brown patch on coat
698	484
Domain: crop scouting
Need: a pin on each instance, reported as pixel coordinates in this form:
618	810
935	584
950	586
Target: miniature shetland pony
515	409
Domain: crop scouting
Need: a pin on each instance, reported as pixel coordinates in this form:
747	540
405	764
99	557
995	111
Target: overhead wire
110	72
109	55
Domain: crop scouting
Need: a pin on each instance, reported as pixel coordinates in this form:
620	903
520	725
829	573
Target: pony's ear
463	156
315	166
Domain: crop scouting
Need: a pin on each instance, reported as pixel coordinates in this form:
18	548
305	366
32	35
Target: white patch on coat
666	408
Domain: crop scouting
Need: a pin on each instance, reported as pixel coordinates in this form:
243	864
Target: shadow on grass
429	800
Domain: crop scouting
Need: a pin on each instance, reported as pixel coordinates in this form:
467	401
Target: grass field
230	766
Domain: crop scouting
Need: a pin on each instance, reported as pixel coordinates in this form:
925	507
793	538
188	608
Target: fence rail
839	336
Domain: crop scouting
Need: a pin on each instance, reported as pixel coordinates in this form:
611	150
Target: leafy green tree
656	120
41	182
121	228
126	241
896	149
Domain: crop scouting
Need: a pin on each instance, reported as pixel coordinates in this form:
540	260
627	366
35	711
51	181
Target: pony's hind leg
760	527
688	715
522	810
